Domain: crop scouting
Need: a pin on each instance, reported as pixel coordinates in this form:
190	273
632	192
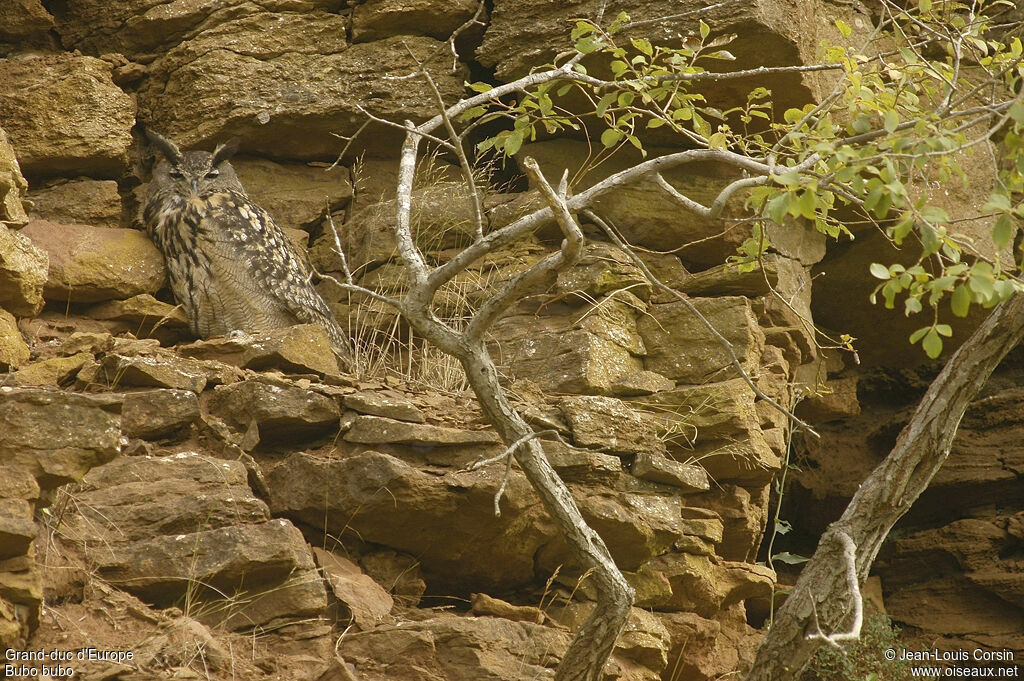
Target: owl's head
194	172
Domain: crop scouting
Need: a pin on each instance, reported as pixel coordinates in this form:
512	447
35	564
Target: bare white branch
850	559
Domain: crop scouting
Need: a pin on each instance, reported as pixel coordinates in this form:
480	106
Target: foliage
933	83
864	660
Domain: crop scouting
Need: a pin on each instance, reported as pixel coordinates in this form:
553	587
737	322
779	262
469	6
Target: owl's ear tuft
165	146
224	151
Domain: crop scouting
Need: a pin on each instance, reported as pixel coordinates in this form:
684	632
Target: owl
230	266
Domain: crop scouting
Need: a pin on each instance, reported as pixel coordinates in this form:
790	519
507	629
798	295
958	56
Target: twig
507	455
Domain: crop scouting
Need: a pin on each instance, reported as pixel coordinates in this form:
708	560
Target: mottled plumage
230	266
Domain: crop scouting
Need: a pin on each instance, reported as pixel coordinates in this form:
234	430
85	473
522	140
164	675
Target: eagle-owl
230	266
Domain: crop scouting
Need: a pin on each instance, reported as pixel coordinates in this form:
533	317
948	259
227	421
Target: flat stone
16	535
296	194
51	372
608	423
303	348
154	414
142	310
78	202
91	264
12	183
23	268
836	400
17	483
367	603
377	19
388	404
155	372
277	411
582	465
659	468
379	430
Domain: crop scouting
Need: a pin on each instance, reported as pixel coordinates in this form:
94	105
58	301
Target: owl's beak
195	185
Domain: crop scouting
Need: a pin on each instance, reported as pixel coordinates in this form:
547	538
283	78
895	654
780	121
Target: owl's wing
270	258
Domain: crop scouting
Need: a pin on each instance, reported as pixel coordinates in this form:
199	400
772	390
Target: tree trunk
884	498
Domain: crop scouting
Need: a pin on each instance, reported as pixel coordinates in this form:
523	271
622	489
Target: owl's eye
213	173
176	173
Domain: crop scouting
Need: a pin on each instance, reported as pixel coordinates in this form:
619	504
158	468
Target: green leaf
919	334
807	204
717	141
789	558
924	5
879	271
932	344
480	87
1002	233
844	28
611	137
892	120
643	45
911	306
704	30
514	141
778	207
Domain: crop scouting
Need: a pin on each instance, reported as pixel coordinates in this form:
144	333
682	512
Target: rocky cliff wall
241	509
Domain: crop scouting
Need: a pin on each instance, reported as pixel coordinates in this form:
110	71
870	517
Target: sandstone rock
610	424
635	527
716	424
744	515
143	28
37	438
155	414
90	264
78	202
706	649
16	533
379	430
51	372
482	604
23	268
156	372
456	648
386	403
141	497
267	565
24	24
366	603
303	348
645	640
603	269
277	411
295	194
17	483
398	573
385	501
377	19
704	586
582	465
658	468
837	400
522	35
681	348
12	183
144	312
13	350
39	96
293	85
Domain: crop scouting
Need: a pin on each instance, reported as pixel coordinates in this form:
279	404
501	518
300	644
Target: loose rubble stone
582	465
645	641
366	602
657	468
91	264
482	604
23	271
51	372
24	24
39	96
296	194
398	573
37	437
